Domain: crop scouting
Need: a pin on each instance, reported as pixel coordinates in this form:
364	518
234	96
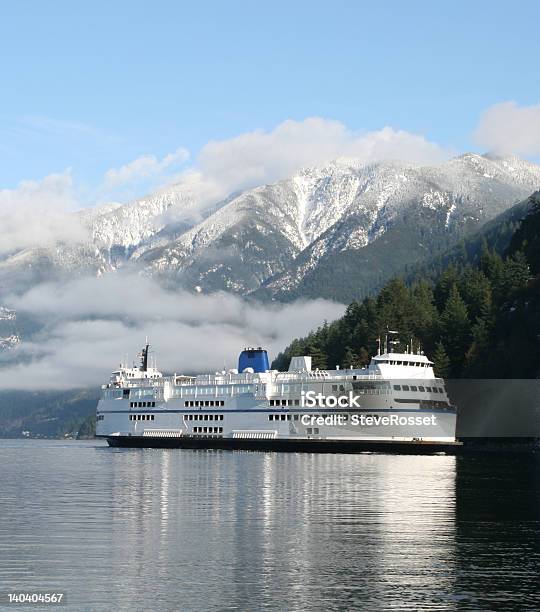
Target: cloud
509	128
144	167
38	213
259	157
90	324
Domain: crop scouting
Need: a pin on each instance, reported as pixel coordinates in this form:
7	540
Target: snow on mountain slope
276	236
443	201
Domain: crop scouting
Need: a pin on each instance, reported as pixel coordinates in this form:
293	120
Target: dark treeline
476	319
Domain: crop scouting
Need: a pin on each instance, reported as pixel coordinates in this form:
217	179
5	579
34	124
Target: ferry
394	404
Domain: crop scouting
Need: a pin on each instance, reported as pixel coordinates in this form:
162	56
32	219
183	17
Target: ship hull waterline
288	445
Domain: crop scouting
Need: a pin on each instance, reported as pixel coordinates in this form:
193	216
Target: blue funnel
256	358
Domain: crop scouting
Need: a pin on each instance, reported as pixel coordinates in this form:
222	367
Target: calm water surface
217	530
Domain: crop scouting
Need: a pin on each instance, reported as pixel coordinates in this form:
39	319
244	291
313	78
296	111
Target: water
217	530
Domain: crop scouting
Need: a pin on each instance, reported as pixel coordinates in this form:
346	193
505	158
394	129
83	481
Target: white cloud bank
260	157
144	167
39	213
509	128
91	323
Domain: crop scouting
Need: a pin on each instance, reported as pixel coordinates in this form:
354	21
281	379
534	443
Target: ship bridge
402	365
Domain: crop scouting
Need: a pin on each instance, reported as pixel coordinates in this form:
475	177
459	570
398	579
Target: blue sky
93	86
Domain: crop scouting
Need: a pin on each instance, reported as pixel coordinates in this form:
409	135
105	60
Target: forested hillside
480	317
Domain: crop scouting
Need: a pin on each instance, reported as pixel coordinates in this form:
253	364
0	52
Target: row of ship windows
285	402
208	430
203	417
141	417
100	417
205	403
296	417
417	364
418	388
142	404
220	389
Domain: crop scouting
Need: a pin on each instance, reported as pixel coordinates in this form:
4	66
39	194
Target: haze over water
217	530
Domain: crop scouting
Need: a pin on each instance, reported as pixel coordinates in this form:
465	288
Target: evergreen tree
318	357
444	285
456	330
350	358
516	274
441	361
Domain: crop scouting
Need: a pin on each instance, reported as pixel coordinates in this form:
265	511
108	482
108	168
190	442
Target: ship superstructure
396	400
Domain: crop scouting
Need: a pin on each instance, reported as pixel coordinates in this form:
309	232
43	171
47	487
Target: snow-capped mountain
300	236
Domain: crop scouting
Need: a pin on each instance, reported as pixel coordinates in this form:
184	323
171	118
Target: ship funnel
255	358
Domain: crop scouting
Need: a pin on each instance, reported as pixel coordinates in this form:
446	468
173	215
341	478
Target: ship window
397	387
405	387
413	388
283	416
221	417
420	388
221	430
186	403
270	417
308	431
283	402
334	387
441	390
297	402
295	417
315	430
153	417
271	402
428	389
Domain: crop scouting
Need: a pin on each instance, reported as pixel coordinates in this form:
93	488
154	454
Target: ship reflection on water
170	529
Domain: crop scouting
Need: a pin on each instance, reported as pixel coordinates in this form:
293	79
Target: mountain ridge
271	241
